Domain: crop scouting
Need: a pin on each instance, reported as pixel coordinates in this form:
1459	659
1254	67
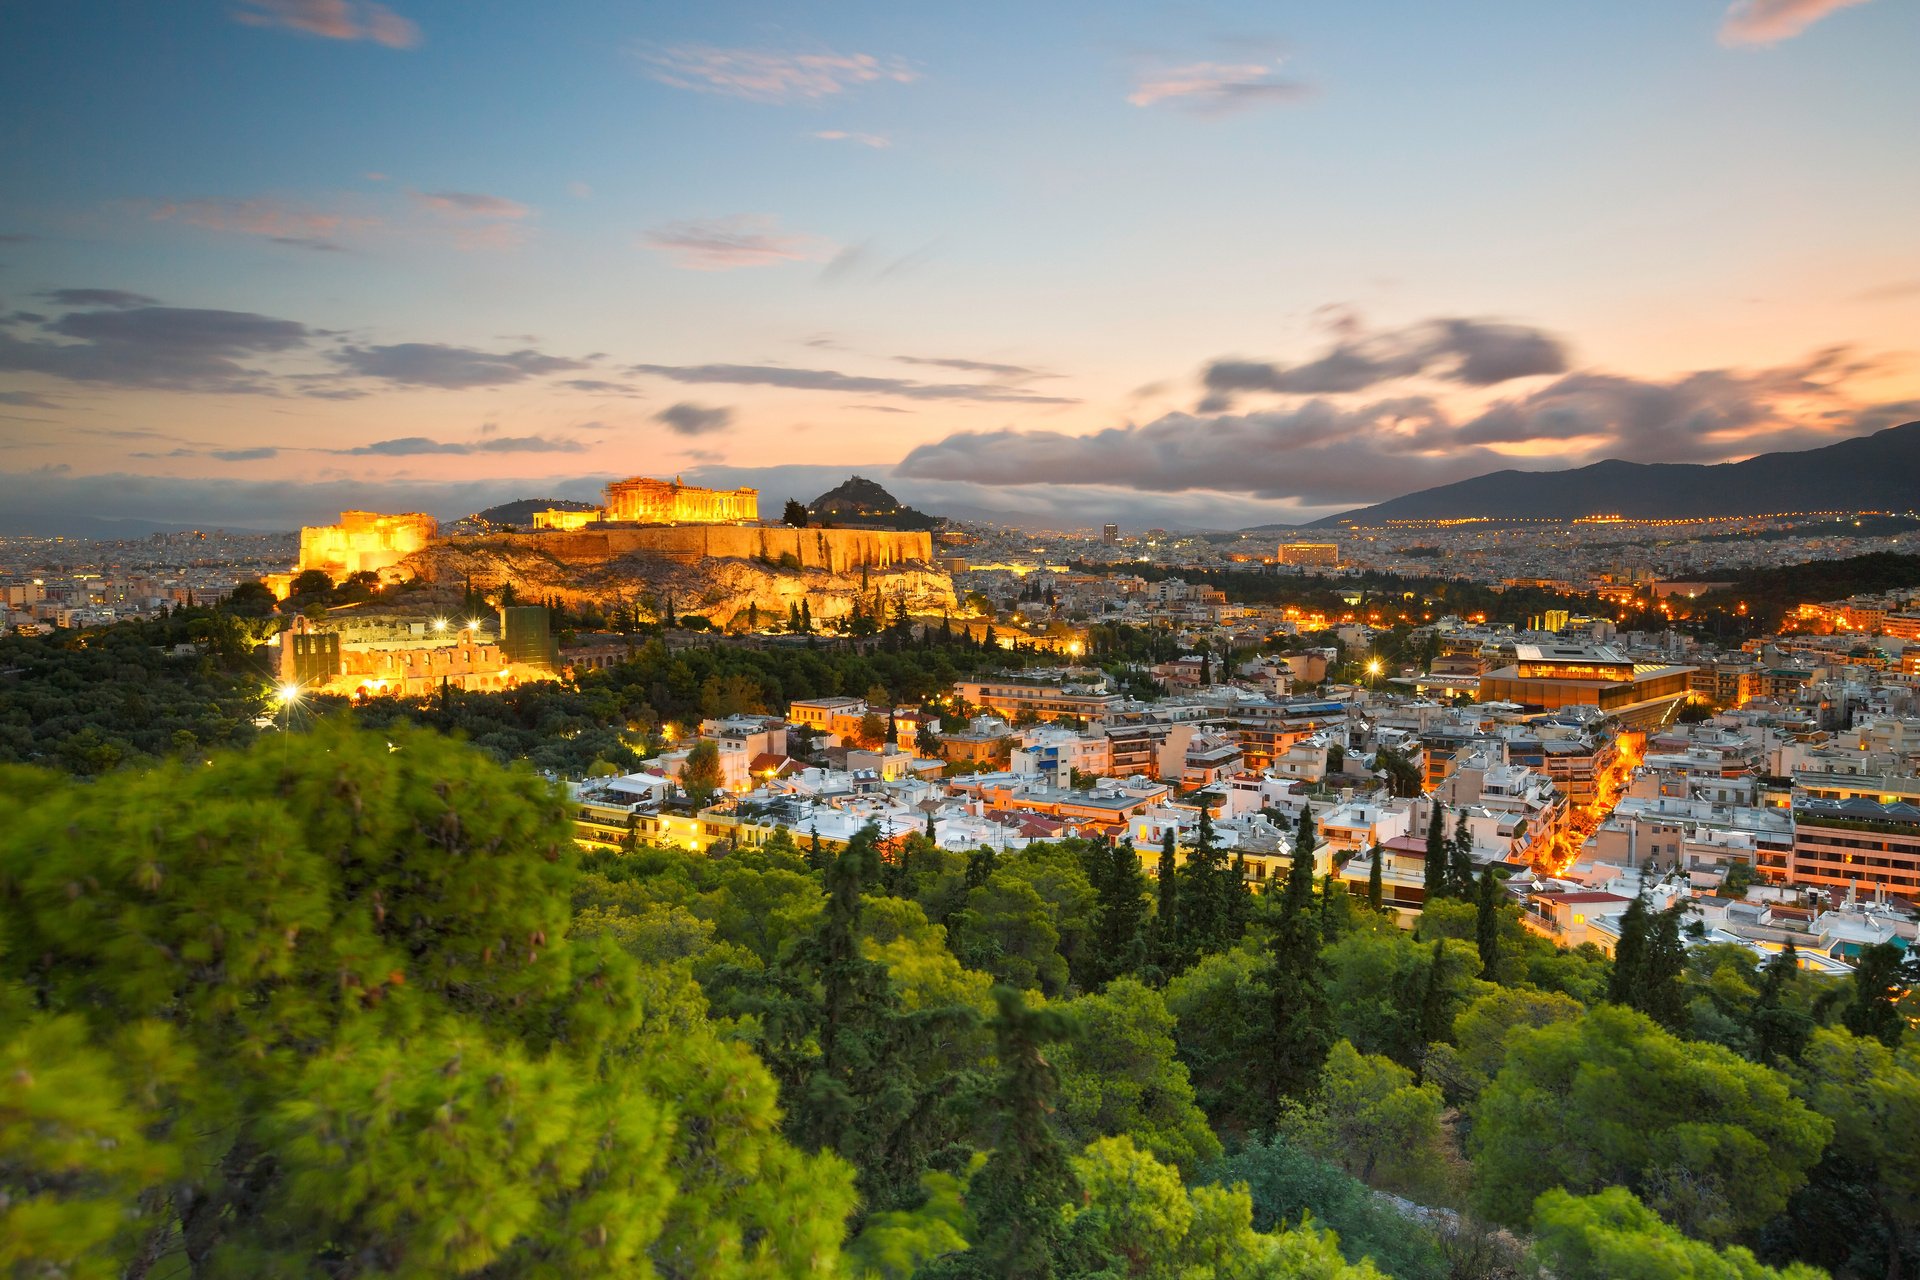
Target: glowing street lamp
439	624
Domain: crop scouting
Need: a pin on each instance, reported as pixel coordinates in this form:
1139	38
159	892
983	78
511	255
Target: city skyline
1204	265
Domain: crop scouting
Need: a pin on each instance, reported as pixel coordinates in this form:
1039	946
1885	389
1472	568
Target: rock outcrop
773	570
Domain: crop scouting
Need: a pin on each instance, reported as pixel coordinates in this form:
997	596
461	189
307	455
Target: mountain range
1878	472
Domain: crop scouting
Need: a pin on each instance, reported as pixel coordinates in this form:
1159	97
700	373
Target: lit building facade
1320	554
644	500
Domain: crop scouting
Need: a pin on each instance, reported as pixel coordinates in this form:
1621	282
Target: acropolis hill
722	571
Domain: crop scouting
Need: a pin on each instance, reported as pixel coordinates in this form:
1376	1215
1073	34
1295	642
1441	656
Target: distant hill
520	511
858	502
1880	472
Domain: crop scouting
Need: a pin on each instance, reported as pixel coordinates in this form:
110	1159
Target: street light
439	624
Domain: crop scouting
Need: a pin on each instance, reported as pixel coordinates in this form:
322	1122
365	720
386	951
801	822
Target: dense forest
352	1004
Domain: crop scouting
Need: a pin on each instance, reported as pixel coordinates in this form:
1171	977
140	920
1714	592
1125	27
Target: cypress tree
1297	1031
1166	925
1437	854
1376	887
1460	855
1871	1010
1486	922
1016	1197
1203	909
1663	994
1630	955
1120	912
1777	1032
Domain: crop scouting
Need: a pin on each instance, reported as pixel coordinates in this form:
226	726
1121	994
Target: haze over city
1195	265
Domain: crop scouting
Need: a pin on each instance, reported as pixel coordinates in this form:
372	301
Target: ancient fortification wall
835	550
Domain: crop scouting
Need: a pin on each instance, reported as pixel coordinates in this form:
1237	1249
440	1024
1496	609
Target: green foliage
1716	1144
1119	1075
1871	1010
93	701
1612	1236
1287	1184
1369	1117
1480	1032
1120	915
1139	1221
1220	1020
700	775
342	1009
1872	1097
1017	1196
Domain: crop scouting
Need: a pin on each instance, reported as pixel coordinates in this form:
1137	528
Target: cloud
272	219
98	298
1321	453
173	348
722	244
17	237
433	364
243	455
469	204
1763	22
26	400
689	419
597	386
579	190
333	20
54	499
414	446
1890	292
1013	372
759	75
829	380
878	141
1216	88
1479	353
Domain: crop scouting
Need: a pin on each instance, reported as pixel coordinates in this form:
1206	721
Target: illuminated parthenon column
644	500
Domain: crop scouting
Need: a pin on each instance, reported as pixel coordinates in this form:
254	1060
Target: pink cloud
1758	22
1216	88
333	20
762	76
742	240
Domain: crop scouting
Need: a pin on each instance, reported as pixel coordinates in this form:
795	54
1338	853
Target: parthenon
644	500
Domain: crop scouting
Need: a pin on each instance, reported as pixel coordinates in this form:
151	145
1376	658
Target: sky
1186	264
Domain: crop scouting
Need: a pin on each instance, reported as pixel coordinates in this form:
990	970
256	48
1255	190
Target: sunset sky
1185	263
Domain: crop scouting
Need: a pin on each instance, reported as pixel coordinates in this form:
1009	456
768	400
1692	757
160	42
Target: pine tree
1663	992
1203	909
1460	858
1298	1024
1437	854
1376	885
1239	899
1871	1011
1630	955
1486	922
1120	911
1774	1030
1166	925
1016	1197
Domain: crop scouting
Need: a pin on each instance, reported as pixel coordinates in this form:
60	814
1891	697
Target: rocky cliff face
723	590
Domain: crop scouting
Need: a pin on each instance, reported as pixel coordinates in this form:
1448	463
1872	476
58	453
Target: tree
1167	944
1872	1096
319	1011
1630	954
1205	913
1009	930
1712	1142
1376	886
1777	1029
1437	855
1612	1236
1369	1117
1871	1010
1120	922
310	582
1120	1076
872	732
1479	1037
1297	1019
1486	928
1137	1220
1460	859
700	775
1220	1011
1017	1195
794	514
